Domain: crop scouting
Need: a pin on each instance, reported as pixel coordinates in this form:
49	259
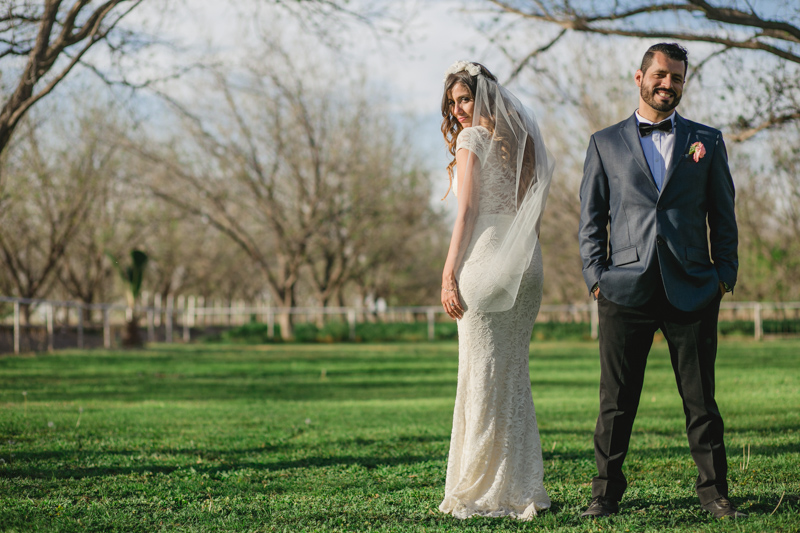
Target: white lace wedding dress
495	463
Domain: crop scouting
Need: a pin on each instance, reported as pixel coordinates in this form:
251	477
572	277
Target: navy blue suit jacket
632	237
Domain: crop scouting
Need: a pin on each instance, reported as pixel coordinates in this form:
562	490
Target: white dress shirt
658	148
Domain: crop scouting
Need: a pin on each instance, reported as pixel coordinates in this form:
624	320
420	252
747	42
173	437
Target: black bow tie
647	129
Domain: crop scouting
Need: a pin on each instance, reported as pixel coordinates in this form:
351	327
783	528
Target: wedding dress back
495	462
513	178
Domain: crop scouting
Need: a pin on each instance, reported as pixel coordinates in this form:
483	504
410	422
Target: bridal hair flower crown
458	66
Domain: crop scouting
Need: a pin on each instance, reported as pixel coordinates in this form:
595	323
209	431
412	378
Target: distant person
492	284
662	187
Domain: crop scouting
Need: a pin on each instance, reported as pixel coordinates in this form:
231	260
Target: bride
492	284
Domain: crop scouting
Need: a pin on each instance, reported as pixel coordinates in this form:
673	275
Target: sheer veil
511	147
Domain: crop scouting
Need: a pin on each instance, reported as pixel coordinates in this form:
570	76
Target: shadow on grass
665	452
367	462
165	386
756	504
226	459
202	390
752	503
658	510
215	454
740	433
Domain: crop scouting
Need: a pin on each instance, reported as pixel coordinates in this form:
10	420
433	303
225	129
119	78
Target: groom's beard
648	94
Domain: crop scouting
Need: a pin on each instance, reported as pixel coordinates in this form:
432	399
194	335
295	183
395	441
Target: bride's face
461	104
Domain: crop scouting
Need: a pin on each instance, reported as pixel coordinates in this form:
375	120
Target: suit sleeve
723	232
593	232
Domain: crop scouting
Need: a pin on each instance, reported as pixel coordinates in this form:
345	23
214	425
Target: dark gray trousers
626	335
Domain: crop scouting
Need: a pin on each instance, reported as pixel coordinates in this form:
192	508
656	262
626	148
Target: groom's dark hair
673	51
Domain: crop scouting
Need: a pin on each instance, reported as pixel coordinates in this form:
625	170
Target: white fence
179	316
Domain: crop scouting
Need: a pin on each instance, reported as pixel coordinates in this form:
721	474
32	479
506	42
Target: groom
660	185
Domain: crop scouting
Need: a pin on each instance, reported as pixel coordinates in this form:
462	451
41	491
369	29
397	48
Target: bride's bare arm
468	168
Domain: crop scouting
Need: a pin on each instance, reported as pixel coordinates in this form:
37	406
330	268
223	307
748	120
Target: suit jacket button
660	241
660	208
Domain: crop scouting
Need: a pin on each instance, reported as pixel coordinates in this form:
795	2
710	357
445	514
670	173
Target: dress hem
462	511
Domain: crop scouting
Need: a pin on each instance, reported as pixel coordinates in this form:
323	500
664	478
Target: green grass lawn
355	437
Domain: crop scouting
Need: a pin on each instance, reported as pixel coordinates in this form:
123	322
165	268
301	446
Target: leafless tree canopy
48	39
768	29
303	171
296	189
50	195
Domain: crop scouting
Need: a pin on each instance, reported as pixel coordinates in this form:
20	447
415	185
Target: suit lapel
630	136
680	148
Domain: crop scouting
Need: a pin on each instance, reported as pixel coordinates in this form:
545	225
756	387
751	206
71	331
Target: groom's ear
638	77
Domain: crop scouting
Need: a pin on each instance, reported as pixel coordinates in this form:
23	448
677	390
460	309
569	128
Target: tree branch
570	19
772	122
44	54
526	60
778	29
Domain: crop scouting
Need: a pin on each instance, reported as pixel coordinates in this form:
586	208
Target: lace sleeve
476	140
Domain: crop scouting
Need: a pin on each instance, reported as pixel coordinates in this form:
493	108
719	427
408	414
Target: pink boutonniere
697	151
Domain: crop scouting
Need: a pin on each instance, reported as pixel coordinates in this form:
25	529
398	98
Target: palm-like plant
132	275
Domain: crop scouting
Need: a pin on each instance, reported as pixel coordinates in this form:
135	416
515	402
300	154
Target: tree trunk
132	339
286	322
26	313
286	299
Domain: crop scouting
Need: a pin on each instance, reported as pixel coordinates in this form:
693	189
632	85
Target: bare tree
190	256
49	39
266	167
304	172
43	41
230	180
404	262
85	272
375	203
761	39
768	212
50	193
185	255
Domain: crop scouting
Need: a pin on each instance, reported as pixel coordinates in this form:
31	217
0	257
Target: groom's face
661	86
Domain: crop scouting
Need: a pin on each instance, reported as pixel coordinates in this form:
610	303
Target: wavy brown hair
451	127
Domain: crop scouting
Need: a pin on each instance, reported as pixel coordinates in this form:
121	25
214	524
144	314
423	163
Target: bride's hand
451	302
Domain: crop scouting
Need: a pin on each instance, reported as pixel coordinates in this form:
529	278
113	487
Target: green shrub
782	326
547	331
334	331
250	333
770	327
370	332
736	327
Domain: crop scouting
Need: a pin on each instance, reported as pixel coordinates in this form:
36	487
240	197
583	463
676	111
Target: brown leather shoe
722	508
601	506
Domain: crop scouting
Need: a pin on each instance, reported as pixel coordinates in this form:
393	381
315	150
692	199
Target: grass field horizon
345	437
